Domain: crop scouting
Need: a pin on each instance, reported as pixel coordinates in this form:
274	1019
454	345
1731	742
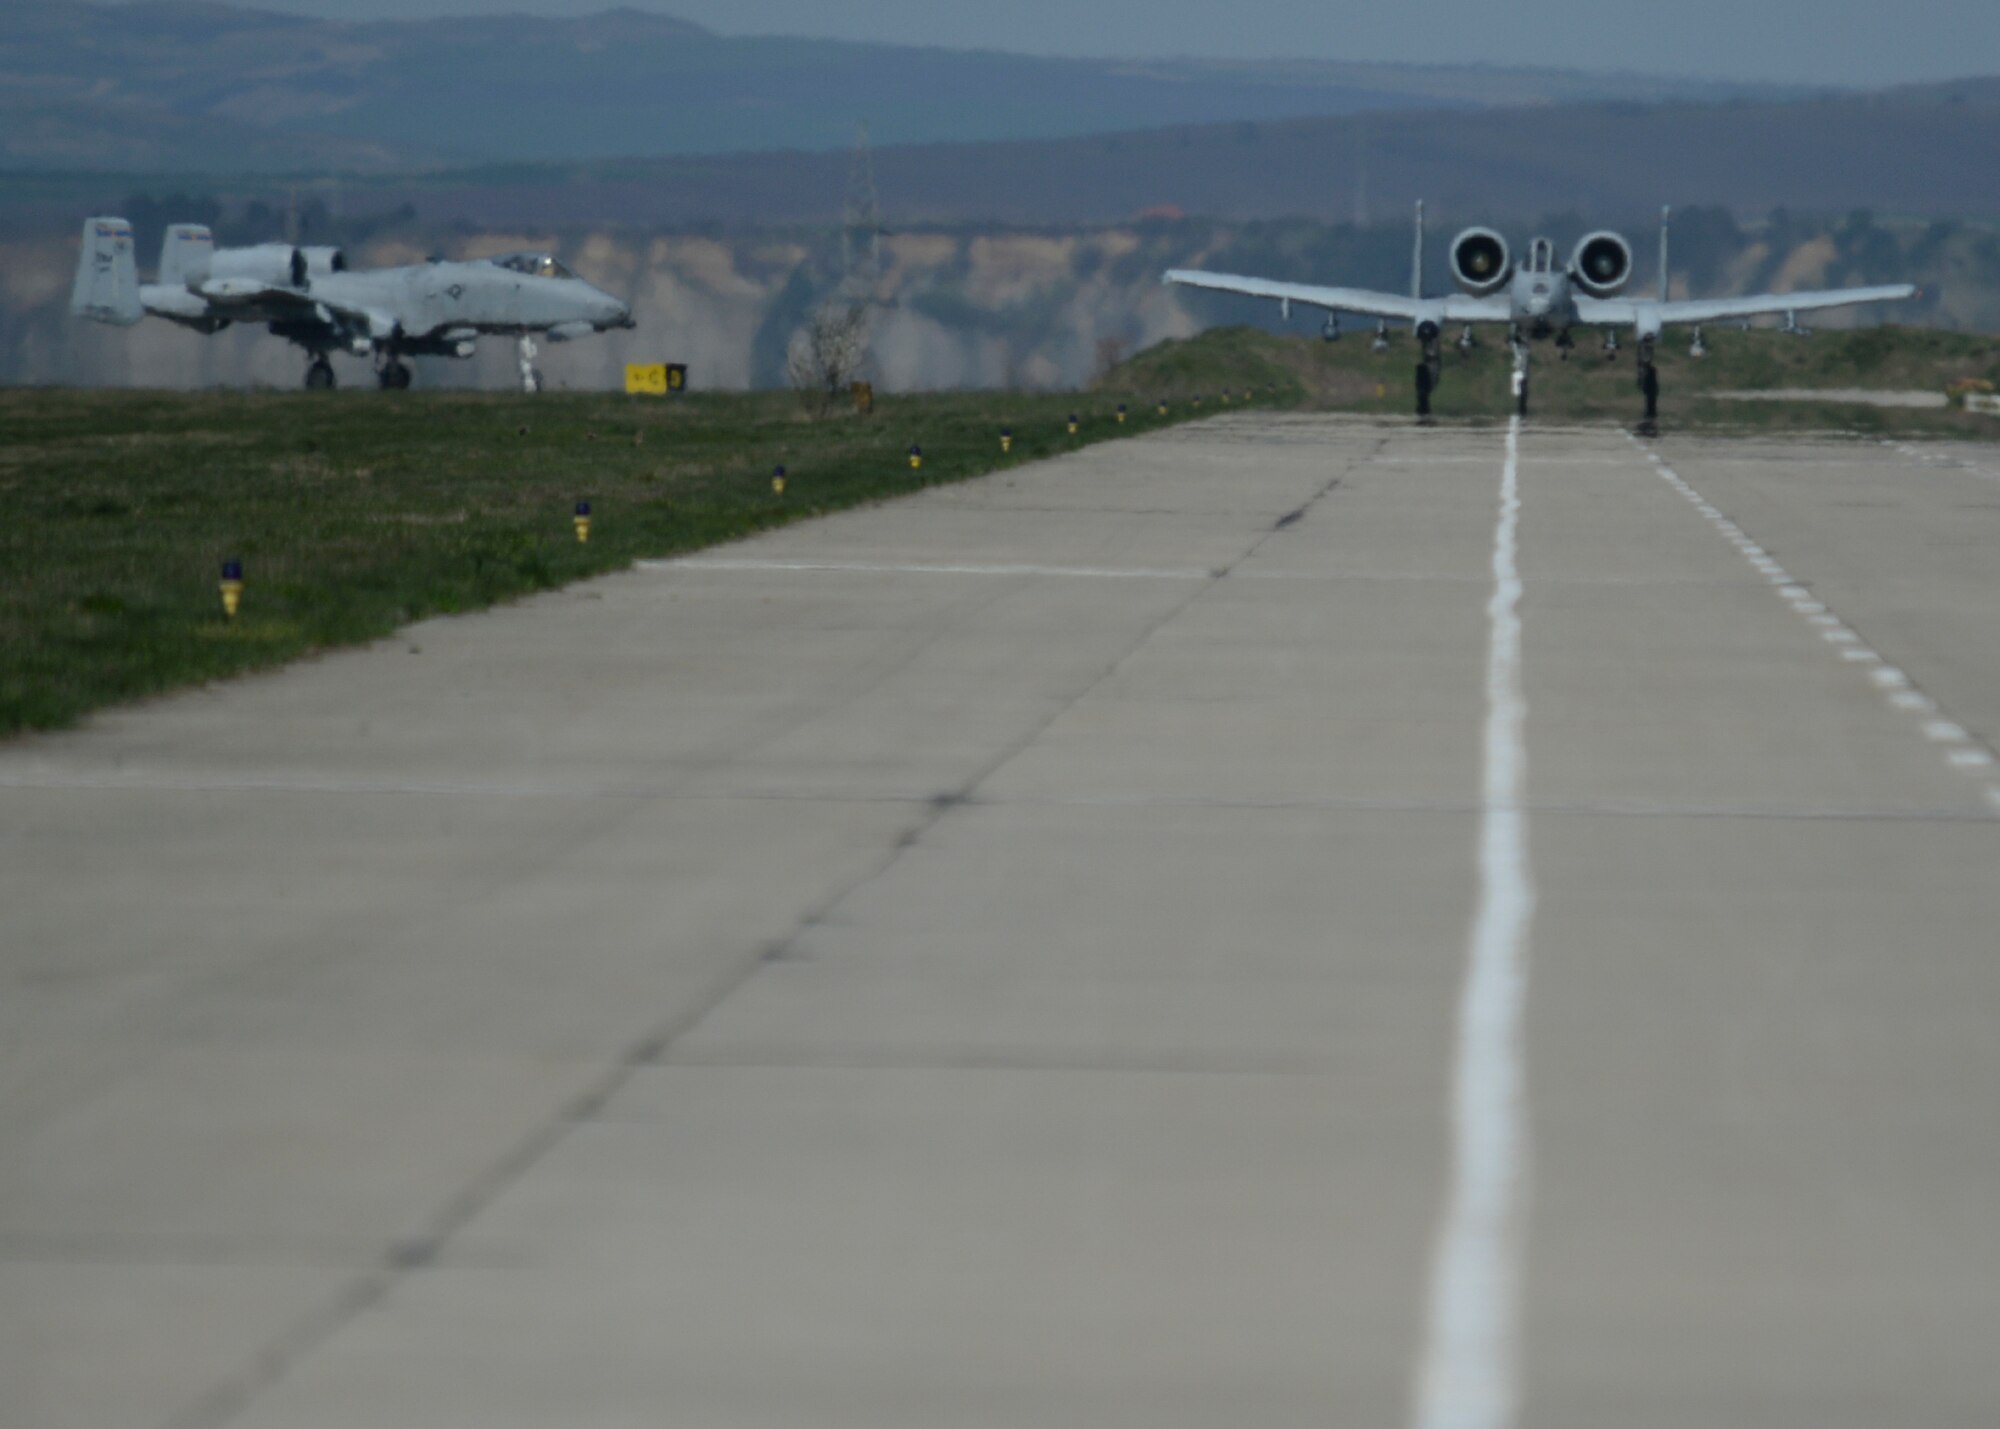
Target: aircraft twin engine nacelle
1601	264
278	264
1479	261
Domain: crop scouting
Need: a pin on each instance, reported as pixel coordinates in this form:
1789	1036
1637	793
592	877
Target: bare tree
827	354
1110	352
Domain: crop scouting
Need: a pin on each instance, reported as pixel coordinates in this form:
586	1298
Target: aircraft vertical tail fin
1665	213
1417	257
186	255
107	275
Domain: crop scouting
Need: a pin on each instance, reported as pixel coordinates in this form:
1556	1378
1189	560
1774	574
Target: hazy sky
1848	42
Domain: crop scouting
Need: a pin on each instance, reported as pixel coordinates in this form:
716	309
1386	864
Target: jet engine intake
1601	264
1480	263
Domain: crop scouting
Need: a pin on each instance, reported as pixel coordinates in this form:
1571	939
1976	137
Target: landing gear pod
1602	264
1480	262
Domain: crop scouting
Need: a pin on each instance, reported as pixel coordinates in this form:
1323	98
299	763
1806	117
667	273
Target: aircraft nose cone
612	313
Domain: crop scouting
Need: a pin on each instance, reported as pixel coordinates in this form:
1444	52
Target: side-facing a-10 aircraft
309	296
1537	298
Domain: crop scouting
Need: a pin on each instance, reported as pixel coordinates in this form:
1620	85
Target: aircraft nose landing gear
393	375
1519	346
531	375
319	374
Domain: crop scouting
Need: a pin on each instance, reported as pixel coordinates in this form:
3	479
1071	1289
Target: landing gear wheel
319	376
394	376
1430	367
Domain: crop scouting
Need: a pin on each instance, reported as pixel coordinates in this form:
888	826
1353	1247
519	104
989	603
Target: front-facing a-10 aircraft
1538	297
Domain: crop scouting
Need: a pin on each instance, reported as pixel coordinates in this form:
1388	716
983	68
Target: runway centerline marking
1469	1375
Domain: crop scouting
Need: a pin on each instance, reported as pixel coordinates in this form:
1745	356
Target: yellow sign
655	379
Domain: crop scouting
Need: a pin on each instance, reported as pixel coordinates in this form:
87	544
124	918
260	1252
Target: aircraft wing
303	304
1350	300
1609	312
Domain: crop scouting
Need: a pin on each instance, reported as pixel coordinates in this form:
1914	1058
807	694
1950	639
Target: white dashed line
1962	753
1468	1376
919	568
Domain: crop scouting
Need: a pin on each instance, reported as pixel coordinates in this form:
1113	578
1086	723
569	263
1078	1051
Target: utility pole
861	225
1360	173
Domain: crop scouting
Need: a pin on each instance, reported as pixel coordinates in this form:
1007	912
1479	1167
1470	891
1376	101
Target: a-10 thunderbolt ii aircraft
311	297
1536	298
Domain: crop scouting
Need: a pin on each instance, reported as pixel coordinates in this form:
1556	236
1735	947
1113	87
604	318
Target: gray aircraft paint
310	297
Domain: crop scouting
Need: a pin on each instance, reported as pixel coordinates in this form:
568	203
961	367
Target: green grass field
356	513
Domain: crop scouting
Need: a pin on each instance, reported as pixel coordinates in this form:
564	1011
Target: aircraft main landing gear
319	374
531	375
1649	388
1430	367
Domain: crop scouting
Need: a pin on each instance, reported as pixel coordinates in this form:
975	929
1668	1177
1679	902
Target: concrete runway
1159	938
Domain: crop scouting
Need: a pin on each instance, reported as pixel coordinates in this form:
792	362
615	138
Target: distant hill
184	87
964	307
1931	152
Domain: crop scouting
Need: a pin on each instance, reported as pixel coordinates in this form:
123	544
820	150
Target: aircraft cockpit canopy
1541	256
535	265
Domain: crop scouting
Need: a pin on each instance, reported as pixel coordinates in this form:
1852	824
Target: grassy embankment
355	513
1346	376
